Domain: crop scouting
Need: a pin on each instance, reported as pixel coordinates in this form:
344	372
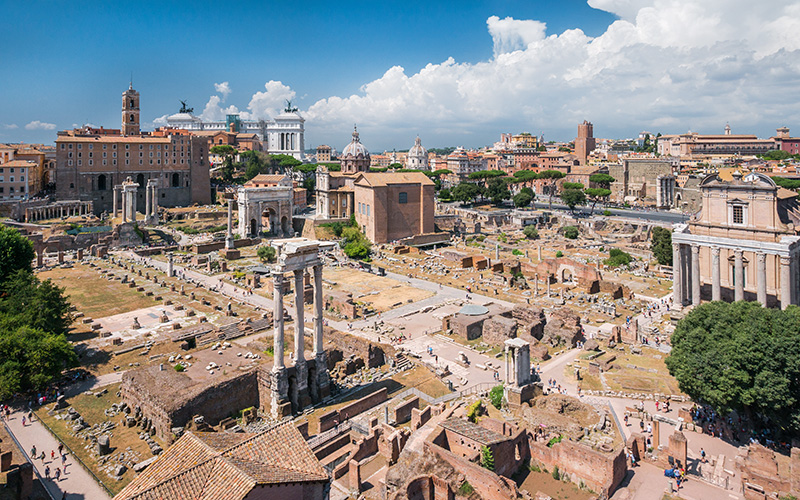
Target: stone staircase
402	363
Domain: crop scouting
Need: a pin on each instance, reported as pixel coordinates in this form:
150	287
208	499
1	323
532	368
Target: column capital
695	248
785	261
676	246
738	252
761	256
715	251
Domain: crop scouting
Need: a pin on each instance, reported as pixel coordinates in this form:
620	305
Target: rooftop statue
185	109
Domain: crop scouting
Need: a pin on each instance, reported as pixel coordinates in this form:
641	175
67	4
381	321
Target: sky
456	73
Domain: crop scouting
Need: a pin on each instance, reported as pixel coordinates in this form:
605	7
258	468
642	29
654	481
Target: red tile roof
221	466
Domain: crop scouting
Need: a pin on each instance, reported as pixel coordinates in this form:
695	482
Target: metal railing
331	433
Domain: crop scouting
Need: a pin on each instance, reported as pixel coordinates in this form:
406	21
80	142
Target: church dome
355	148
417	150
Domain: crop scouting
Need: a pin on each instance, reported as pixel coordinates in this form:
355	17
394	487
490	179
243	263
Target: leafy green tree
661	245
466	192
27	301
266	254
496	396
30	358
617	258
776	154
553	176
444	194
227	152
355	245
16	252
485	175
522	200
396	166
487	458
571	232
571	185
602	180
497	191
573	198
254	162
793	184
531	232
595	195
525	176
744	357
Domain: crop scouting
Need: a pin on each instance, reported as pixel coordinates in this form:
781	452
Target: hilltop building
585	142
417	157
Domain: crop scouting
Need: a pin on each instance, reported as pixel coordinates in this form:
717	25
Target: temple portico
742	245
128	190
151	203
309	380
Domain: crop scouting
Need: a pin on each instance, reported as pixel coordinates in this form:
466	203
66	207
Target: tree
522	200
595	195
444	194
27	301
744	357
355	244
465	192
776	154
525	176
573	198
485	175
553	176
30	358
496	396
227	152
266	254
531	232
487	458
254	163
661	245
602	180
497	191
570	232
617	258
16	252
396	166
572	185
793	184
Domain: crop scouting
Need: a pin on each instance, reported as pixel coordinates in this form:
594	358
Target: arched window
101	182
132	105
176	180
131	118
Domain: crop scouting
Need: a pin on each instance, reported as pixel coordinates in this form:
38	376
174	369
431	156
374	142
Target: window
176	180
402	197
367	210
738	215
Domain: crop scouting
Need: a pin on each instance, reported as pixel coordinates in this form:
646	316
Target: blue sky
449	71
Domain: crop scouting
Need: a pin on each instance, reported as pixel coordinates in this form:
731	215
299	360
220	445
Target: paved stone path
75	481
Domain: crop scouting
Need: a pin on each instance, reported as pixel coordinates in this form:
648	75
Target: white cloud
223	88
213	110
37	125
270	102
10	126
511	34
664	63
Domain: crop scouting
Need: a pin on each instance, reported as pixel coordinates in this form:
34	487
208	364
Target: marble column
299	324
738	275
716	292
696	274
677	276
229	237
277	315
148	202
505	355
786	282
761	277
318	320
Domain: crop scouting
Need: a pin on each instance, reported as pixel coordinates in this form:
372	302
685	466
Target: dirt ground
380	292
543	481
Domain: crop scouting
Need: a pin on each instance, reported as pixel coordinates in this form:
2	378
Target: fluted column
277	321
148	193
716	293
696	274
738	276
299	324
505	355
318	348
229	236
761	277
677	276
786	282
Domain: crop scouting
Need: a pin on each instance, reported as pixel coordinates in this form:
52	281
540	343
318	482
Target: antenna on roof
130	85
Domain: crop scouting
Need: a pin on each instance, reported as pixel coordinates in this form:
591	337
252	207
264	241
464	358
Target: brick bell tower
130	111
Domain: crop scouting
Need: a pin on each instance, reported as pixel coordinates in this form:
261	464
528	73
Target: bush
480	238
496	396
607	213
266	254
355	244
571	232
556	473
179	368
517	251
530	232
474	410
534	468
559	254
465	489
617	258
487	458
187	230
553	441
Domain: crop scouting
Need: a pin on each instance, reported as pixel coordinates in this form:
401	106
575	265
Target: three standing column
277	315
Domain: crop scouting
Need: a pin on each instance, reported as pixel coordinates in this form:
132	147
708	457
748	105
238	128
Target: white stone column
738	275
318	320
786	282
761	277
148	203
716	292
229	237
277	321
677	276
505	355
299	325
696	274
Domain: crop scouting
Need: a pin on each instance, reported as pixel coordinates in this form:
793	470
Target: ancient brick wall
363	404
602	472
420	417
487	484
340	346
498	329
402	412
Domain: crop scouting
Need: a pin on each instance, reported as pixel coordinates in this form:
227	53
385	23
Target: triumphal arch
295	387
266	208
